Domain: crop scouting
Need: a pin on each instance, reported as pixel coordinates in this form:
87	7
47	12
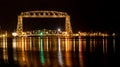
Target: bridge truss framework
43	14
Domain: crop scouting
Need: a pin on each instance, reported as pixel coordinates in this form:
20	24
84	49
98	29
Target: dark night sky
86	15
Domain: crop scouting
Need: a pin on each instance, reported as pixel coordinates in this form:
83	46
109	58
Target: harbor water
95	51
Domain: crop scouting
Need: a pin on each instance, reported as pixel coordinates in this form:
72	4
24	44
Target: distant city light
59	29
3	35
41	33
14	34
113	34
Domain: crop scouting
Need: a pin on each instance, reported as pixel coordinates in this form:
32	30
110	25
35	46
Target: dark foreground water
59	51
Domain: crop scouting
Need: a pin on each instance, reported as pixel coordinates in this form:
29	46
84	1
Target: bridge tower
43	14
68	27
20	26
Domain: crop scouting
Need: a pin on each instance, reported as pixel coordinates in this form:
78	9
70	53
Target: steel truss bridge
43	14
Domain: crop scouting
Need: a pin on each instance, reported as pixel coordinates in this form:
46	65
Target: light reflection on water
55	51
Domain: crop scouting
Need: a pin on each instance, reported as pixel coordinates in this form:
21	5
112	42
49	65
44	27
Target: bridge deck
51	35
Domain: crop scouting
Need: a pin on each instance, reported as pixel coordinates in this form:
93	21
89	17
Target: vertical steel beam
20	25
68	27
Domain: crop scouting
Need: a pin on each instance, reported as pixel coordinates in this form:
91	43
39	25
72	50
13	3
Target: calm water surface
59	51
